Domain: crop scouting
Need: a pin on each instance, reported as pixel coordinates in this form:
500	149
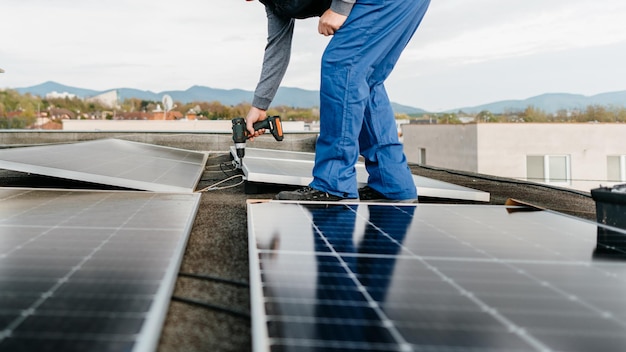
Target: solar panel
112	162
88	270
295	168
379	277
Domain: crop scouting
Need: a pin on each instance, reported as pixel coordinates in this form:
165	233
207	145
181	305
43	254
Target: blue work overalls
355	113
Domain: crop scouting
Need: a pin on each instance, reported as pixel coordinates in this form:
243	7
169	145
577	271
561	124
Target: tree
620	114
596	113
532	114
484	116
562	116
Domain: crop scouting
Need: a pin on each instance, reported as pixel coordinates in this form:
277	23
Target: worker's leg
384	156
355	64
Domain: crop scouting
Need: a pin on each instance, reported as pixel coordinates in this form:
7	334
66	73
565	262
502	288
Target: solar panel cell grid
88	270
396	278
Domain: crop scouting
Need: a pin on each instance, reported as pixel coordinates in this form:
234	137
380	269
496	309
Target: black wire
235	173
215	278
231	169
210	306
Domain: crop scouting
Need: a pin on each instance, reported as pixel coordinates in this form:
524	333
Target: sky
465	52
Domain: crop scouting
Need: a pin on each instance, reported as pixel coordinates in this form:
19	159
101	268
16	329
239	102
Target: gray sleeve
343	7
276	59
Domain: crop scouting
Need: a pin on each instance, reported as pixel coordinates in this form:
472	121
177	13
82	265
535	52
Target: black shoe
369	194
307	193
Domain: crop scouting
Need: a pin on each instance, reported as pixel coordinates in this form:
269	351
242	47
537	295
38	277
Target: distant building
108	99
577	156
60	114
133	115
57	95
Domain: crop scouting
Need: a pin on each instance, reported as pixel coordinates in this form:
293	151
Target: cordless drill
240	133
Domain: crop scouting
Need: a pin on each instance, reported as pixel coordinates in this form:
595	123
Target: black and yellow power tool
240	133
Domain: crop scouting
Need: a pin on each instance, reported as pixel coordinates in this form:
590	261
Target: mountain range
296	97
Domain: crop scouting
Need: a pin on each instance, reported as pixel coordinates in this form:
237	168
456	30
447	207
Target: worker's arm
275	62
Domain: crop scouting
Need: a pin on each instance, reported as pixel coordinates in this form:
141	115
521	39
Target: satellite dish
167	103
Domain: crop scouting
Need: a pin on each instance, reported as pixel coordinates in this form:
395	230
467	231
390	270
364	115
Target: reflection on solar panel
295	168
88	270
376	277
112	162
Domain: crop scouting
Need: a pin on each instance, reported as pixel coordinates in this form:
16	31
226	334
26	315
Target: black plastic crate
611	205
611	211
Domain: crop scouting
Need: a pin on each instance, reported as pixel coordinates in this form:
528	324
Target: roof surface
210	311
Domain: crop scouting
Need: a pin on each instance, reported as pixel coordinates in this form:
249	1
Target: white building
109	99
56	95
578	156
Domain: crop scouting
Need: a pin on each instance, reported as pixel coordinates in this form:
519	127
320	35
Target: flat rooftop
214	273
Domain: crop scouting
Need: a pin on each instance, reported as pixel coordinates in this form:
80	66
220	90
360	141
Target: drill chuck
241	149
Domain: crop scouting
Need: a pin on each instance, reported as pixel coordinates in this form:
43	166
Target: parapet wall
213	142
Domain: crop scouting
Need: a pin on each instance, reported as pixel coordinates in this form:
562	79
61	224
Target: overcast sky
465	53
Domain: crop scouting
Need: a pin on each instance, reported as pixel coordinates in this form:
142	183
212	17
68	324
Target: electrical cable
222	168
210	306
233	168
213	166
214	187
214	278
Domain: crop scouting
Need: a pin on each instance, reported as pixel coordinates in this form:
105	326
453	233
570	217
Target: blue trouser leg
355	112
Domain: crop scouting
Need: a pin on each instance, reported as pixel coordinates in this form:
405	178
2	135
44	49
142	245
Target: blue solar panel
88	270
376	277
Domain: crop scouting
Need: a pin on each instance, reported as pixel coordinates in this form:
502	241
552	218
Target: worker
356	116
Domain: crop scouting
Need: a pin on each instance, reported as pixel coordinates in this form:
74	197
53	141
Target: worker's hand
254	115
330	22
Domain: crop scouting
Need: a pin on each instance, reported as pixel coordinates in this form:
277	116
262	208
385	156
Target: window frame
622	168
546	169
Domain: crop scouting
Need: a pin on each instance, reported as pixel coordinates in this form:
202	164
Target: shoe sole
400	201
309	201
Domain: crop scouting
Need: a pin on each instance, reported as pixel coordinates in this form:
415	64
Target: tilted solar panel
88	270
112	162
295	168
381	277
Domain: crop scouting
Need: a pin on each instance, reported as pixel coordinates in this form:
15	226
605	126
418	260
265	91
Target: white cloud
574	25
159	45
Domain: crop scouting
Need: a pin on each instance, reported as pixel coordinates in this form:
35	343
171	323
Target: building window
422	156
548	168
616	168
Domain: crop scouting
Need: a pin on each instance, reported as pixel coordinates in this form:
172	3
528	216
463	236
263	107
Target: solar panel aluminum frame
260	342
